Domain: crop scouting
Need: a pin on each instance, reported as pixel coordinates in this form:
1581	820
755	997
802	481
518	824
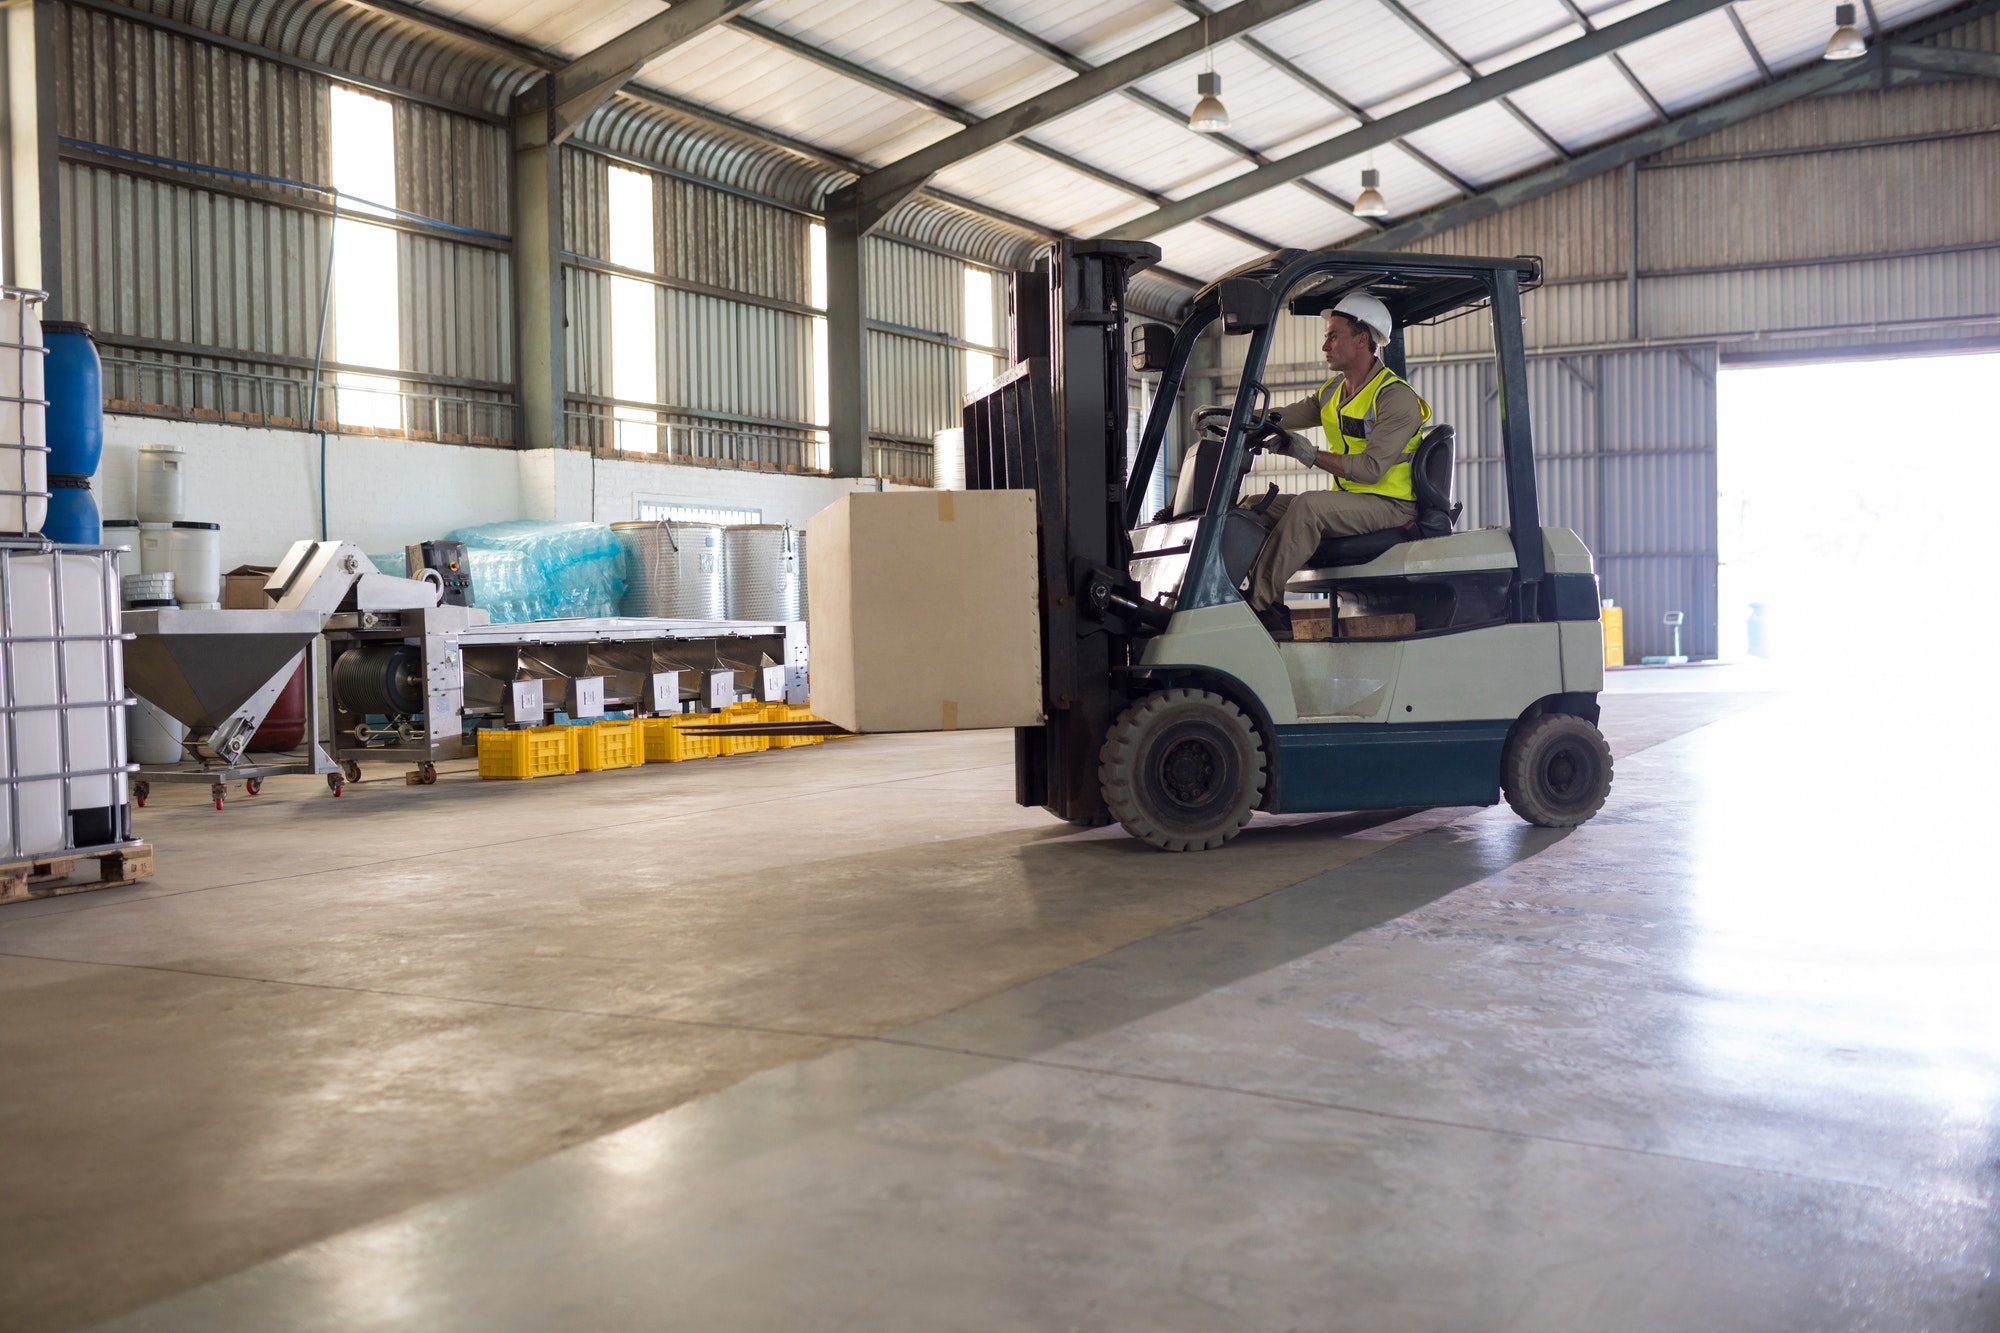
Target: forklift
1169	707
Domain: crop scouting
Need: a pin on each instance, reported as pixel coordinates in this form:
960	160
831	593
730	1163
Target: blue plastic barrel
72	512
75	380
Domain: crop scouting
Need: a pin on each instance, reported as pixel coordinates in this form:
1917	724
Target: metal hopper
217	671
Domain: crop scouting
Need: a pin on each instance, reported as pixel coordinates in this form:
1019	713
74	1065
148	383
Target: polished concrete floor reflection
841	1038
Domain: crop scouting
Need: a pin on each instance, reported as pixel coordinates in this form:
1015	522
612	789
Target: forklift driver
1377	420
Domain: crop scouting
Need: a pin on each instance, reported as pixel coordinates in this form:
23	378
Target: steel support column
538	280
846	343
31	181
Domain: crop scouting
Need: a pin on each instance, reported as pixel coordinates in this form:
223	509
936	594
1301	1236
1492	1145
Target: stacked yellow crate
741	713
609	743
664	740
532	752
793	713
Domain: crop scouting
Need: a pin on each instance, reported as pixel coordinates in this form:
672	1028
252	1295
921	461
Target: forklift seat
1431	476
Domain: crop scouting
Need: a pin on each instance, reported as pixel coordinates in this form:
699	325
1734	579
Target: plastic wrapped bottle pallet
665	740
609	743
532	752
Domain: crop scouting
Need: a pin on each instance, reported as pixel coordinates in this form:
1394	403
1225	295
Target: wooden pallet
49	876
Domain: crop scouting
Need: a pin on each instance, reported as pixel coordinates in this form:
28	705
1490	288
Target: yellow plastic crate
533	752
793	713
664	740
736	714
611	743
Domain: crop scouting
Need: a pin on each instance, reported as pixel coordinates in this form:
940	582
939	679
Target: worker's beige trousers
1303	521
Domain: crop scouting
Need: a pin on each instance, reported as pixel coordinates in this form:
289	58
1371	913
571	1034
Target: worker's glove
1299	447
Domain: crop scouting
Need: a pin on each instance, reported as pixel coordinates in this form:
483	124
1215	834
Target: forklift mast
1055	423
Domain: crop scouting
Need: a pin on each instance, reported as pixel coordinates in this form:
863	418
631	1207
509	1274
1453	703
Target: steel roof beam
1471	71
1618	61
580	87
1945	60
1888	57
1076	65
945	110
1743	33
871	197
1478	92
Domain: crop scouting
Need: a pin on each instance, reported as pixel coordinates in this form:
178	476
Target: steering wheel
1263	433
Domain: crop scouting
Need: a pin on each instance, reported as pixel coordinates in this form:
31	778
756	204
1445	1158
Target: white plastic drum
196	561
765	563
673	570
62	768
162	488
24	446
156	738
156	548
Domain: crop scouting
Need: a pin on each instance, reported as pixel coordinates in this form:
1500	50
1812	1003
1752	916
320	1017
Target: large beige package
923	611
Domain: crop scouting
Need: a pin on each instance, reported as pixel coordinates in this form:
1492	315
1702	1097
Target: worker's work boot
1278	620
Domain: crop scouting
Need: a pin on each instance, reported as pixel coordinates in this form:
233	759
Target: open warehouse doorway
1855	513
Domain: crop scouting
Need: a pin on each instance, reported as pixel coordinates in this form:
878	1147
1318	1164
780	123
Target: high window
978	327
635	329
822	409
367	322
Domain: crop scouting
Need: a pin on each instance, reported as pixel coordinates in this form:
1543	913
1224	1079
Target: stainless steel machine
393	674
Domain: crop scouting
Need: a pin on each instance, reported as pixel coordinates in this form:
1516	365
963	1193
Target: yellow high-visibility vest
1349	424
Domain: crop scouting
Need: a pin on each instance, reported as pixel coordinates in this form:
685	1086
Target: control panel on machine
448	562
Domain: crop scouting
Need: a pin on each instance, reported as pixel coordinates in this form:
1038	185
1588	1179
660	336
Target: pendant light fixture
1370	203
1846	42
1210	116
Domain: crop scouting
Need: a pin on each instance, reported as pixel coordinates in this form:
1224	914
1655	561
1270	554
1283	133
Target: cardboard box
243	588
1376	627
925	612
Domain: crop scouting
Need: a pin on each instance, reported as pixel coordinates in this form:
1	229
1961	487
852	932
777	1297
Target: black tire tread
1115	769
1517	779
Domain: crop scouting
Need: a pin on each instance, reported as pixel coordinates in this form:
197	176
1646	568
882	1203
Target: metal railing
611	427
904	462
176	389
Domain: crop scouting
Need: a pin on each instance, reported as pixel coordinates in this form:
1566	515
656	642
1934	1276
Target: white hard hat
1368	312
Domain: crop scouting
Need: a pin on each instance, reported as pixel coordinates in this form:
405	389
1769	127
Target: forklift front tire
1182	769
1556	771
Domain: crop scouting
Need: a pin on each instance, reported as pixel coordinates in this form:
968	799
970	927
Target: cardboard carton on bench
924	612
243	588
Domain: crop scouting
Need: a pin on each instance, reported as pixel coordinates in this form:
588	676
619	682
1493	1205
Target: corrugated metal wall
205	289
1625	455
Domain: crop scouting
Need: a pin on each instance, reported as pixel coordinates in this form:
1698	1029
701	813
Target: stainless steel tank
673	570
767	563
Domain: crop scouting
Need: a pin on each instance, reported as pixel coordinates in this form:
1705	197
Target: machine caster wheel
1182	769
218	793
352	768
334	784
1556	770
251	786
427	774
140	791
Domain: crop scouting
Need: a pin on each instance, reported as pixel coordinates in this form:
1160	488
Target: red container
284	727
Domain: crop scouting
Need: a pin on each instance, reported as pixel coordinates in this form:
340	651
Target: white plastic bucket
197	562
156	738
162	494
156	548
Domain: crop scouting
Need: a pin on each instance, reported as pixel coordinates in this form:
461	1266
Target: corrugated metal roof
845	104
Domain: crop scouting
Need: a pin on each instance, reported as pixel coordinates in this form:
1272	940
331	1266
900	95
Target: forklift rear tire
1182	769
1556	771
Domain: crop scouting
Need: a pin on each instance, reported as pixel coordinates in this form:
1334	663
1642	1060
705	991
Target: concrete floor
841	1037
